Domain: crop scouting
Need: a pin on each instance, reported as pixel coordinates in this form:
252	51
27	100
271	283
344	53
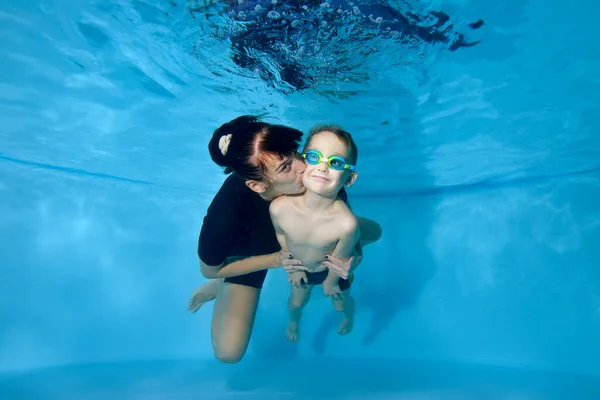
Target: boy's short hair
343	135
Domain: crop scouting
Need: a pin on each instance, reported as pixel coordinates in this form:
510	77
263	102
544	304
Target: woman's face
286	175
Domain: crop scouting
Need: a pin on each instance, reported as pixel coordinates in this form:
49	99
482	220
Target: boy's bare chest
307	230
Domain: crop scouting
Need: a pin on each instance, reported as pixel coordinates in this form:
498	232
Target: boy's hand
342	268
297	278
332	290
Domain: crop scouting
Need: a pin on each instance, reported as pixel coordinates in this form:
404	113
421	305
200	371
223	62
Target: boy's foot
291	333
346	326
204	294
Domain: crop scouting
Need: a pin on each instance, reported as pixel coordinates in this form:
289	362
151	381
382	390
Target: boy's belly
311	257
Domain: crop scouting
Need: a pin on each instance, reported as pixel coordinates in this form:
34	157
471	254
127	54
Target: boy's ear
351	179
256	186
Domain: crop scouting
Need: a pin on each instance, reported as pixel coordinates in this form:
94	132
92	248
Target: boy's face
321	178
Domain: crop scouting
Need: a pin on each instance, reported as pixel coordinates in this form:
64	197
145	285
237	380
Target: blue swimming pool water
481	165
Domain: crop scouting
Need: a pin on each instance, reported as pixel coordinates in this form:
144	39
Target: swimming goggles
313	157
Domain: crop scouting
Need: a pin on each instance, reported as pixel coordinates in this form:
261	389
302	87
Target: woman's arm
236	266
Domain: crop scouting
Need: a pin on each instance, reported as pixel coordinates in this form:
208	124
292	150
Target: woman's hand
342	268
289	263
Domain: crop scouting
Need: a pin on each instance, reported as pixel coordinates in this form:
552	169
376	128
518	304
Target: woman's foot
346	326
291	333
204	294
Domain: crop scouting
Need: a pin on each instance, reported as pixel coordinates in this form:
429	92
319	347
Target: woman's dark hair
252	144
343	135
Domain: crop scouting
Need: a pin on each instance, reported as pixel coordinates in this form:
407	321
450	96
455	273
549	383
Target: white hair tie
224	143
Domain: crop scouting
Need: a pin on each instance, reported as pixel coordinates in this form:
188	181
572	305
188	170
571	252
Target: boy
317	223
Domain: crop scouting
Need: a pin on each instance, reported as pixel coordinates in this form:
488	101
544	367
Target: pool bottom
296	379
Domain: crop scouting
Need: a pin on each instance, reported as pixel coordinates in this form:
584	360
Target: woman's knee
229	354
230	348
235	320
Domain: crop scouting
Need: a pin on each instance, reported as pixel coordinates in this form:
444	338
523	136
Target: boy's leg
346	306
298	299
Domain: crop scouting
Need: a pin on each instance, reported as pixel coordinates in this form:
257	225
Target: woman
237	243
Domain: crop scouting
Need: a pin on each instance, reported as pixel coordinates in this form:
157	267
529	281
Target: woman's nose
300	167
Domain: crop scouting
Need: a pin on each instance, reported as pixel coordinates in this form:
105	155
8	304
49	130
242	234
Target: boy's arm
345	247
275	210
350	234
370	232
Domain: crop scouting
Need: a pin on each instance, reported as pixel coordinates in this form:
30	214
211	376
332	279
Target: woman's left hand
342	268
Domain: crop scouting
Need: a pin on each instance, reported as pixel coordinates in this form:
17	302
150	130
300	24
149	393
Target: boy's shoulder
279	204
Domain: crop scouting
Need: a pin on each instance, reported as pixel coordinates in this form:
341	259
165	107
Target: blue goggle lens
334	162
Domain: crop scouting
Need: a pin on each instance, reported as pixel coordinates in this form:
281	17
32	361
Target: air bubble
273	14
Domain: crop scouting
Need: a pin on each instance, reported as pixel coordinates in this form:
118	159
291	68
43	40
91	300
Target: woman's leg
203	294
233	320
208	290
